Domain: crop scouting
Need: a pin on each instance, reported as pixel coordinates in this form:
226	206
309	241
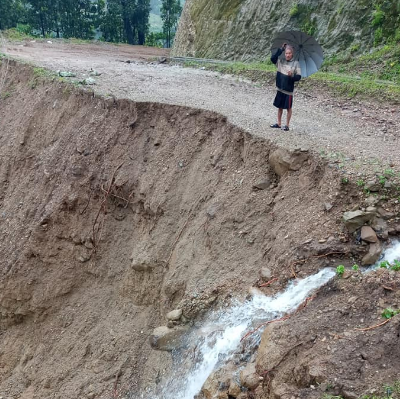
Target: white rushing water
218	338
391	254
222	333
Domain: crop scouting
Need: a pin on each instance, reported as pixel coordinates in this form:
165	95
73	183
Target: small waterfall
218	338
221	334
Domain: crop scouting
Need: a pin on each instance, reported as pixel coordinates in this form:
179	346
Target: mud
114	213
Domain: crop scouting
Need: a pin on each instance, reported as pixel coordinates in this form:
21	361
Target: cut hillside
243	30
114	213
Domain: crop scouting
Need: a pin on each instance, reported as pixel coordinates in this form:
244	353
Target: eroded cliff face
244	29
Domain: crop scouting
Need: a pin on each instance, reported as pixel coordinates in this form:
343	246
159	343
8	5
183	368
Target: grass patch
17	35
375	75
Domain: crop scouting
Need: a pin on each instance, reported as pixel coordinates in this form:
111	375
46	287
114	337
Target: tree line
110	20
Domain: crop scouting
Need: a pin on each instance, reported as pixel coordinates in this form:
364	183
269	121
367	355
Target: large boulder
353	220
368	234
283	160
374	252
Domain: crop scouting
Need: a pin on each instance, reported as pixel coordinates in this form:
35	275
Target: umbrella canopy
307	51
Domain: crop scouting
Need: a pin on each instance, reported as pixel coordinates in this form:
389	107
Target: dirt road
361	137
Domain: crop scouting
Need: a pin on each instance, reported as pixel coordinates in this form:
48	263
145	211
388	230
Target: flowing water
391	254
218	339
220	335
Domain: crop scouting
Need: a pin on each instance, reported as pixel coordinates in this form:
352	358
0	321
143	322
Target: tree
170	12
11	12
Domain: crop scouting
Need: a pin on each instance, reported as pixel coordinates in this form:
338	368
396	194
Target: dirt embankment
114	213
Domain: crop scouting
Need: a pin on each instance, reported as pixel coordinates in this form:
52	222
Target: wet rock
374	252
283	160
174	315
353	220
167	339
262	184
249	377
234	389
266	273
368	234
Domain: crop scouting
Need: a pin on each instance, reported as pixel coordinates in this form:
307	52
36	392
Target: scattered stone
162	60
328	206
353	220
212	210
88	82
373	186
262	184
93	72
174	315
371	200
385	214
374	252
379	225
167	339
266	273
384	235
387	184
67	74
349	395
283	160
249	377
368	234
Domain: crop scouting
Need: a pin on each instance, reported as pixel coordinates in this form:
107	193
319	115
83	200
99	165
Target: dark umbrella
307	50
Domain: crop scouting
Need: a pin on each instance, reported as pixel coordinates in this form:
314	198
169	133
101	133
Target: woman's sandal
286	128
275	125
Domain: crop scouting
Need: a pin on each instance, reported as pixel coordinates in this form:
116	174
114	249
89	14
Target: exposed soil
113	213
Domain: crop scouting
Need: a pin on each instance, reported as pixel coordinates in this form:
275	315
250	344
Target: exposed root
268	283
284	318
376	326
103	207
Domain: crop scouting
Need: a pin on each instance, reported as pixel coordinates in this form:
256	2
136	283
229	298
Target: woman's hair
289	47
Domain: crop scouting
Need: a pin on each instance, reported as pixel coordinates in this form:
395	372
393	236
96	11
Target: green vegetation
117	20
340	270
356	267
170	12
385	21
303	14
395	266
375	75
388	313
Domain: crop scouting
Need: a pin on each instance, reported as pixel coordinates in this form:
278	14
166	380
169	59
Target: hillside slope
243	29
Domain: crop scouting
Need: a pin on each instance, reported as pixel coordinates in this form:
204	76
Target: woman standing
288	72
